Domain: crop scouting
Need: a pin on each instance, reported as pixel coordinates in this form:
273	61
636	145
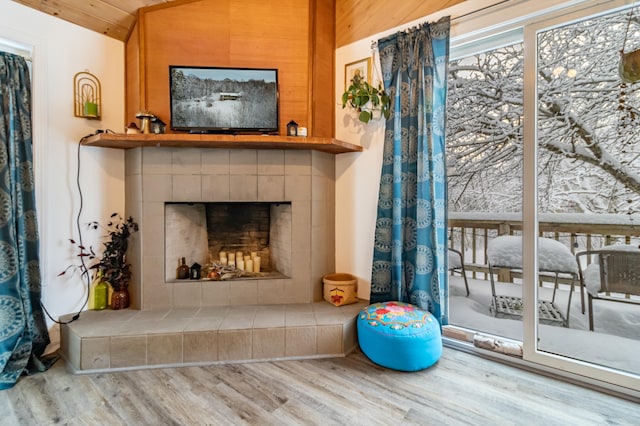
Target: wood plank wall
236	33
357	19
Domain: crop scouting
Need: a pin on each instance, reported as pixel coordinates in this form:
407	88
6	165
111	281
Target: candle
224	261
253	254
256	264
247	258
232	257
240	264
232	263
248	265
90	109
223	254
239	255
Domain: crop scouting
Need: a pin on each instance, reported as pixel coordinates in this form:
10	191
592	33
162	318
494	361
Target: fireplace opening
228	240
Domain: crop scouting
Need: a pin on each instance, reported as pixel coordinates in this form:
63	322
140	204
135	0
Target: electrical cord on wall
83	267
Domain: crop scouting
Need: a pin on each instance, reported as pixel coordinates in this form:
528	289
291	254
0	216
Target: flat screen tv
223	100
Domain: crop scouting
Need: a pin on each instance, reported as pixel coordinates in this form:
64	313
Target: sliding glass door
582	193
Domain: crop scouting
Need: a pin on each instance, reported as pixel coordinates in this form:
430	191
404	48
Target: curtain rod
374	43
15	49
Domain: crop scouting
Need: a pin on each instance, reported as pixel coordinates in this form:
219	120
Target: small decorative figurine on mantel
292	128
132	129
145	118
157	126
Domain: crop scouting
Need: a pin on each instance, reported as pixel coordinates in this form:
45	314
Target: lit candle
256	264
248	265
240	264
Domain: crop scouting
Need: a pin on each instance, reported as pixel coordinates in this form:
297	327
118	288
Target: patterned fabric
23	331
400	336
409	260
397	318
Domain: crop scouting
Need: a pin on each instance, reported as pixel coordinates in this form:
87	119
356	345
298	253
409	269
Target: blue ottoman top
400	336
399	318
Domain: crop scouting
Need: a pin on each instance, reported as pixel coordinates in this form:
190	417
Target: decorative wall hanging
87	95
359	69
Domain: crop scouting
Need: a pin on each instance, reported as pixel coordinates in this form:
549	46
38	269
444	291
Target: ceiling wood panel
113	18
358	19
355	19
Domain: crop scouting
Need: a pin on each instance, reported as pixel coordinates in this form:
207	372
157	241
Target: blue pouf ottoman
399	336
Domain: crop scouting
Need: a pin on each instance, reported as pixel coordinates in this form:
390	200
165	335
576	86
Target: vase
120	299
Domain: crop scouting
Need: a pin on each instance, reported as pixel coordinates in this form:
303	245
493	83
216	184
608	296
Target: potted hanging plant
112	266
366	99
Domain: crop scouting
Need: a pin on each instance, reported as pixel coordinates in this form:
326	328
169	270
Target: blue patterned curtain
23	331
410	248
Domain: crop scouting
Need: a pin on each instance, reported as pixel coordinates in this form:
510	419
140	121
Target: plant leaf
345	98
365	116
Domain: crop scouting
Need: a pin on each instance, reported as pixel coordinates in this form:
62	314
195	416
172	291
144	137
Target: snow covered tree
588	123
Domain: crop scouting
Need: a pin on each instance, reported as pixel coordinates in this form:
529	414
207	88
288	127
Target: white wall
60	50
357	176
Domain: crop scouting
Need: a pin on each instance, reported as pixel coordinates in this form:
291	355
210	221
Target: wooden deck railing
470	232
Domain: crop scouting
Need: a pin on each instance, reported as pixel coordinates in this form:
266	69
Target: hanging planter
366	99
629	68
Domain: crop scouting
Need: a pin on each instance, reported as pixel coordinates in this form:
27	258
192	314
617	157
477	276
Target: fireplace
244	239
296	187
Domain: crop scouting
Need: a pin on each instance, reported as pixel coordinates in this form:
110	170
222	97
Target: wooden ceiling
355	19
113	18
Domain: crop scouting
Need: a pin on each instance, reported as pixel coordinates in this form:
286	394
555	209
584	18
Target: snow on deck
553	256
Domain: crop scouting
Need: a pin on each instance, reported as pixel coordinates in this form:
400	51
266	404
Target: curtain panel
23	331
410	247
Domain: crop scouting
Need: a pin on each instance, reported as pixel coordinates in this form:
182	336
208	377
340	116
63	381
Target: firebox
228	240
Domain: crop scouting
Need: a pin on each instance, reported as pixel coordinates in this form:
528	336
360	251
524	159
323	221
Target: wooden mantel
187	140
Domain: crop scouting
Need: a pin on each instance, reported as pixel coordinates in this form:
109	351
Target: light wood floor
460	389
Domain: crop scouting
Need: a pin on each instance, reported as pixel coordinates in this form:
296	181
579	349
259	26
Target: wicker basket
340	289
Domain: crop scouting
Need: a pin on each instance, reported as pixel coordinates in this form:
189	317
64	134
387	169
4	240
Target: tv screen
223	100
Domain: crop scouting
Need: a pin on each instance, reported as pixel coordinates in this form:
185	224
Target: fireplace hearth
197	322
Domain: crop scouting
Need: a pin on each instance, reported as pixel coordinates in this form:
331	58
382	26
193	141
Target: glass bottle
91	303
100	296
182	273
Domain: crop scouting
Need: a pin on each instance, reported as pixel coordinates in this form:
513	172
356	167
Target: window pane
589	181
484	159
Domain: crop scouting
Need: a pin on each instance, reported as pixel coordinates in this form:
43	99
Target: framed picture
361	67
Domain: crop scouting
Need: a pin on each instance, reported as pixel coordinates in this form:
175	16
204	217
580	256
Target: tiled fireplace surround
196	322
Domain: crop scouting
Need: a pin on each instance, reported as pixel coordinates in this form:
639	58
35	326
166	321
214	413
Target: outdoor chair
505	252
456	264
614	275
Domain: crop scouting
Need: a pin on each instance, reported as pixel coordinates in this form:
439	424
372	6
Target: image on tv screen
223	99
